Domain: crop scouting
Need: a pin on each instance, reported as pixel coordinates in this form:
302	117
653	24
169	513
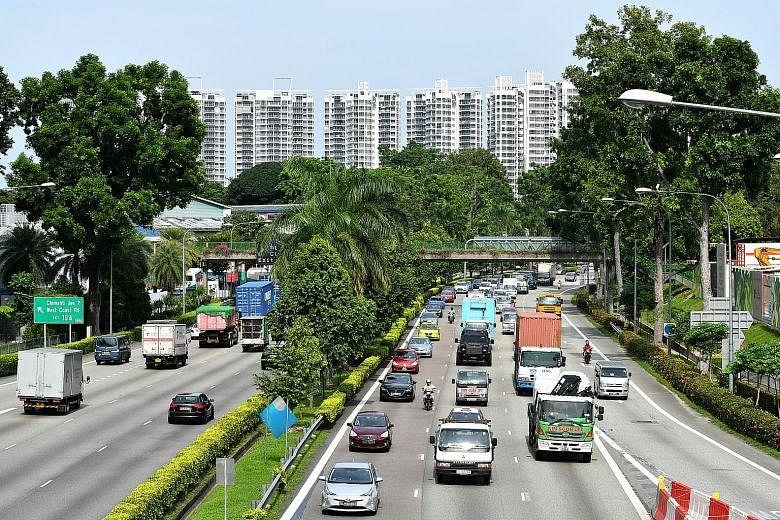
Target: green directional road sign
59	310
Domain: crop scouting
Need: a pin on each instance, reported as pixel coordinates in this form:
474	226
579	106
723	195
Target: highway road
81	464
651	433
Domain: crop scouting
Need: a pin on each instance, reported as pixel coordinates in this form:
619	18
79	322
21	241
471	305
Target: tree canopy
257	185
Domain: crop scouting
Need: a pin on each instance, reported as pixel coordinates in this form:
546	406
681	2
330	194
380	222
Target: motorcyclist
428	391
451	315
587	349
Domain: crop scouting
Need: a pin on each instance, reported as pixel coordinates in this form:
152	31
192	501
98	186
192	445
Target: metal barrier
27	344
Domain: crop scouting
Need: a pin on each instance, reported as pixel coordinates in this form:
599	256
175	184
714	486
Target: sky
398	44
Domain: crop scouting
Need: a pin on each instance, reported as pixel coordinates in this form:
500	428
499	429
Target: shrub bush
332	407
8	364
152	499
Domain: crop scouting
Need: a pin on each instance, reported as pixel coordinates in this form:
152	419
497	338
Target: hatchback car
191	407
351	487
462	287
370	431
421	345
429	329
465	414
571	276
448	295
397	386
405	360
112	349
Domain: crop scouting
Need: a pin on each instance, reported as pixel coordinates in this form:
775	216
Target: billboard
758	254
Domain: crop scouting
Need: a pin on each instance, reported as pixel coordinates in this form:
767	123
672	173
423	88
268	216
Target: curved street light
42	185
639	98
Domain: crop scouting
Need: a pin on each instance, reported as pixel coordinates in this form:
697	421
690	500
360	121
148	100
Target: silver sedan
422	346
351	487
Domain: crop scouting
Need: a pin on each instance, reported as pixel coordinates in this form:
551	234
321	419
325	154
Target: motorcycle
428	401
451	318
586	357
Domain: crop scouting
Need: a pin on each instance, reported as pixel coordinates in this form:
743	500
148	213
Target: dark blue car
112	349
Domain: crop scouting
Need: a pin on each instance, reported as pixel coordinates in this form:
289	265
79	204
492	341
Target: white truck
463	450
164	343
50	379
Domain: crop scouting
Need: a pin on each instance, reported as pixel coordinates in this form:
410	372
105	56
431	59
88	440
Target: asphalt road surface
651	433
82	464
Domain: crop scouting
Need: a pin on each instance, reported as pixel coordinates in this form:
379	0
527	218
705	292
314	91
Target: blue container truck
479	310
254	300
478	329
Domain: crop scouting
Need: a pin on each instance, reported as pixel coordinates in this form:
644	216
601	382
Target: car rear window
186	399
465	417
107	343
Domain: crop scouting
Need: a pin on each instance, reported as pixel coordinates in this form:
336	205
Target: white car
193	332
351	487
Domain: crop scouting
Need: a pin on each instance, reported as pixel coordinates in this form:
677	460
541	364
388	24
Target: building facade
212	110
505	127
271	126
445	119
358	122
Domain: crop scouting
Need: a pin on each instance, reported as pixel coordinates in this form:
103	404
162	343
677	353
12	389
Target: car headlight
385	435
329	492
367	493
352	433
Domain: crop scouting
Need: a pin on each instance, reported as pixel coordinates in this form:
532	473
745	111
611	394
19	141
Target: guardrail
292	454
27	344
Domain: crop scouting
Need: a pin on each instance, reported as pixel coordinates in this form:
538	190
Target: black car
530	278
397	386
191	407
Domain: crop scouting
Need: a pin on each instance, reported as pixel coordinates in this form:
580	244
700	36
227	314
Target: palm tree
166	263
27	248
354	210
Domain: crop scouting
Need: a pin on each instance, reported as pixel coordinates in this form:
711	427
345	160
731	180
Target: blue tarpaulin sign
278	417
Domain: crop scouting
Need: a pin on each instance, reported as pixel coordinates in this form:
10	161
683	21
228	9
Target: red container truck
218	325
537	349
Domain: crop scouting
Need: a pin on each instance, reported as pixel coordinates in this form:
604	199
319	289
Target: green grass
760	333
684	301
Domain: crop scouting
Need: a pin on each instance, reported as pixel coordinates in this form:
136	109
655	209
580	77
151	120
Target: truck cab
471	386
474	345
534	363
463	450
549	302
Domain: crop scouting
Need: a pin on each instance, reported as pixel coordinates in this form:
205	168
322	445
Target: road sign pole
44	335
224	492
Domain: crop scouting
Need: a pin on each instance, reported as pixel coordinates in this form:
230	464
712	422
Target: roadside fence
26	344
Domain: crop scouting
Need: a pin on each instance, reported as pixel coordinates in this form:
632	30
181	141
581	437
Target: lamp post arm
730	110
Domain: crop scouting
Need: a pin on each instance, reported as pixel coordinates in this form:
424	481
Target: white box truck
50	379
463	450
164	343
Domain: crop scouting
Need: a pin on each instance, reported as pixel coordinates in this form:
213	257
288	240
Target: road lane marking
11	383
525	497
503	393
112	401
426	430
422	456
7	410
506	411
46	483
509	432
679	422
626	455
148	386
303	492
212	387
627	489
236	373
9	446
67	420
516	461
147	422
101	449
416	493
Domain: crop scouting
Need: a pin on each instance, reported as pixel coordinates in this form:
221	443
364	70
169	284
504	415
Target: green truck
562	416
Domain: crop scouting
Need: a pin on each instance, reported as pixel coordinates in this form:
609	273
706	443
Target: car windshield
108	343
477	325
532	358
350	476
552	411
398	379
186	399
509	316
405	354
418	341
503	299
429	315
472	377
373	420
465	439
550	300
613	372
428	324
465	417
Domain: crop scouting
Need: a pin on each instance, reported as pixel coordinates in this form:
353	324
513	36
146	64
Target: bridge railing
225	247
543	244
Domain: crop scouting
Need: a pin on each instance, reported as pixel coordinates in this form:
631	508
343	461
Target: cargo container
50	379
254	300
537	349
218	325
164	343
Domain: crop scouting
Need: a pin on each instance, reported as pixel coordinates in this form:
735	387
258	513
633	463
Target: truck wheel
28	410
486	480
458	360
439	478
538	454
184	361
585	457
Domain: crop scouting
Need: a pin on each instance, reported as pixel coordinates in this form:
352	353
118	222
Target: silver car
422	346
351	487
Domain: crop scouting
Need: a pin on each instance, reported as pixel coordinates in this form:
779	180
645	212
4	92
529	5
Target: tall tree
9	102
130	259
172	254
257	185
27	249
121	146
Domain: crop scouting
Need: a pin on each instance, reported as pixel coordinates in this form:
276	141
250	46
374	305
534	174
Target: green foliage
257	185
8	364
213	190
121	146
332	407
318	288
23	287
153	499
759	358
27	249
176	248
254	514
299	363
9	102
131	267
706	338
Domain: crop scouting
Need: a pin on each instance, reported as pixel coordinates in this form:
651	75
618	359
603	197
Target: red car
448	296
370	431
405	360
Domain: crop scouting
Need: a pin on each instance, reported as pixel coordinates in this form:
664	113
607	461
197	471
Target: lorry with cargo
50	379
545	273
471	386
254	300
479	310
164	343
537	349
217	325
562	416
463	450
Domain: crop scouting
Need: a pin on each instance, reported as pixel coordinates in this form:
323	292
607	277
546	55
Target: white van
611	379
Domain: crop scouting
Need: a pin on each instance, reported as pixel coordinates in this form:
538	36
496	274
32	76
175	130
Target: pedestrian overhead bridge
552	249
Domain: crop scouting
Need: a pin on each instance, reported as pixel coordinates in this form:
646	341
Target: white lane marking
46	483
525	497
212	387
627	489
503	393
7	410
516	461
147	422
112	401
416	493
442	377
426	430
6	384
257	362
67	420
626	455
303	493
509	432
506	411
148	386
679	422
9	446
422	456
236	373
101	449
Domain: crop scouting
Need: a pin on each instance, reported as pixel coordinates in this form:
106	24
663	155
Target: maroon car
448	295
405	360
370	431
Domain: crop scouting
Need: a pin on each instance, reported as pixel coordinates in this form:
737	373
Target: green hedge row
735	411
157	496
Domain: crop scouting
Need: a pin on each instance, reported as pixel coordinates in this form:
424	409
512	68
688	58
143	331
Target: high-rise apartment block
272	125
523	120
445	119
358	122
212	110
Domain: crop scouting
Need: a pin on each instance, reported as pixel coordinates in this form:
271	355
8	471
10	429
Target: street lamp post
730	278
183	277
42	185
639	98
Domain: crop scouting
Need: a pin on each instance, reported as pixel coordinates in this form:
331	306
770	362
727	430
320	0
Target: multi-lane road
651	433
80	465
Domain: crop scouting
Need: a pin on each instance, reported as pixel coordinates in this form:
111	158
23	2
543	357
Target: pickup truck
463	450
